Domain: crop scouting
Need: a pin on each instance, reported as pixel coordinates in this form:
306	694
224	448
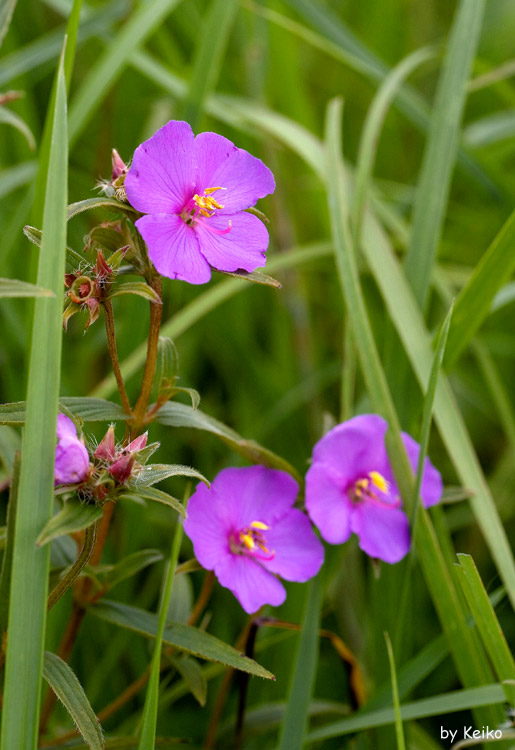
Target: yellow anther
208	191
247	540
380	482
206	203
259	525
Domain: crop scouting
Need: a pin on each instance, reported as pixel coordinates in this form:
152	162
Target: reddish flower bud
106	448
137	444
102	269
69	278
122	468
118	165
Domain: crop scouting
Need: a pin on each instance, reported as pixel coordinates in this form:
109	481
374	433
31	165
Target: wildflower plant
234	553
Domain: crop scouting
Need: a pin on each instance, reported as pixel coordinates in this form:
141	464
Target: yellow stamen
380	482
206	202
247	540
259	525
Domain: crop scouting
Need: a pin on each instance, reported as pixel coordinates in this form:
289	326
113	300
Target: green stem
156	309
90	536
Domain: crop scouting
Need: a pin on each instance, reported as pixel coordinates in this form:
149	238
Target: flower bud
137	444
119	167
122	468
71	455
106	447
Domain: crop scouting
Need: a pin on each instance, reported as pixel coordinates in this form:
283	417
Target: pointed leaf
74	516
192	675
90	203
150	493
255	276
87	409
136	287
155	473
11	118
70	692
180	415
183	637
35	236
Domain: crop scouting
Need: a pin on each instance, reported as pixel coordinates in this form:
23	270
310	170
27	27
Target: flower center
206	203
251	541
373	487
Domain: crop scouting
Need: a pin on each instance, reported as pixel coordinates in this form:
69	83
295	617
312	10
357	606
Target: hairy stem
113	353
73	572
150	364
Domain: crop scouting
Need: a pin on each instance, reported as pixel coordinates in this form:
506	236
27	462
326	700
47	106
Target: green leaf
70	692
442	147
445	703
87	409
150	493
192	675
28	605
10	118
131	565
488	625
294	724
14	177
135	287
145	19
183	637
474	302
16	288
90	203
180	415
255	276
6	11
74	516
490	129
10	443
149	721
155	473
73	259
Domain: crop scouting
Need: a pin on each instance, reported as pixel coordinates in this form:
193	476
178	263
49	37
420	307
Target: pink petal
206	528
220	164
251	584
71	461
327	503
65	427
161	178
242	247
382	532
173	248
355	448
299	553
432	485
253	493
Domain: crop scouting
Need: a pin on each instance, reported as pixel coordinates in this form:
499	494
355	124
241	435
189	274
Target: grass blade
442	146
488	624
29	583
399	732
474	302
149	723
471	666
70	692
6	11
294	724
16	288
146	18
208	57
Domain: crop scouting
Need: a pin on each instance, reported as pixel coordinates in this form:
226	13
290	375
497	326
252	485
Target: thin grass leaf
209	54
294	725
70	692
399	731
474	302
488	625
16	288
372	129
149	723
446	703
470	663
27	612
6	12
442	147
11	118
12	178
490	129
142	23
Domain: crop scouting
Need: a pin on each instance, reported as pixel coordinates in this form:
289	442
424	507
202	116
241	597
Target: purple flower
71	456
194	192
245	528
350	488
